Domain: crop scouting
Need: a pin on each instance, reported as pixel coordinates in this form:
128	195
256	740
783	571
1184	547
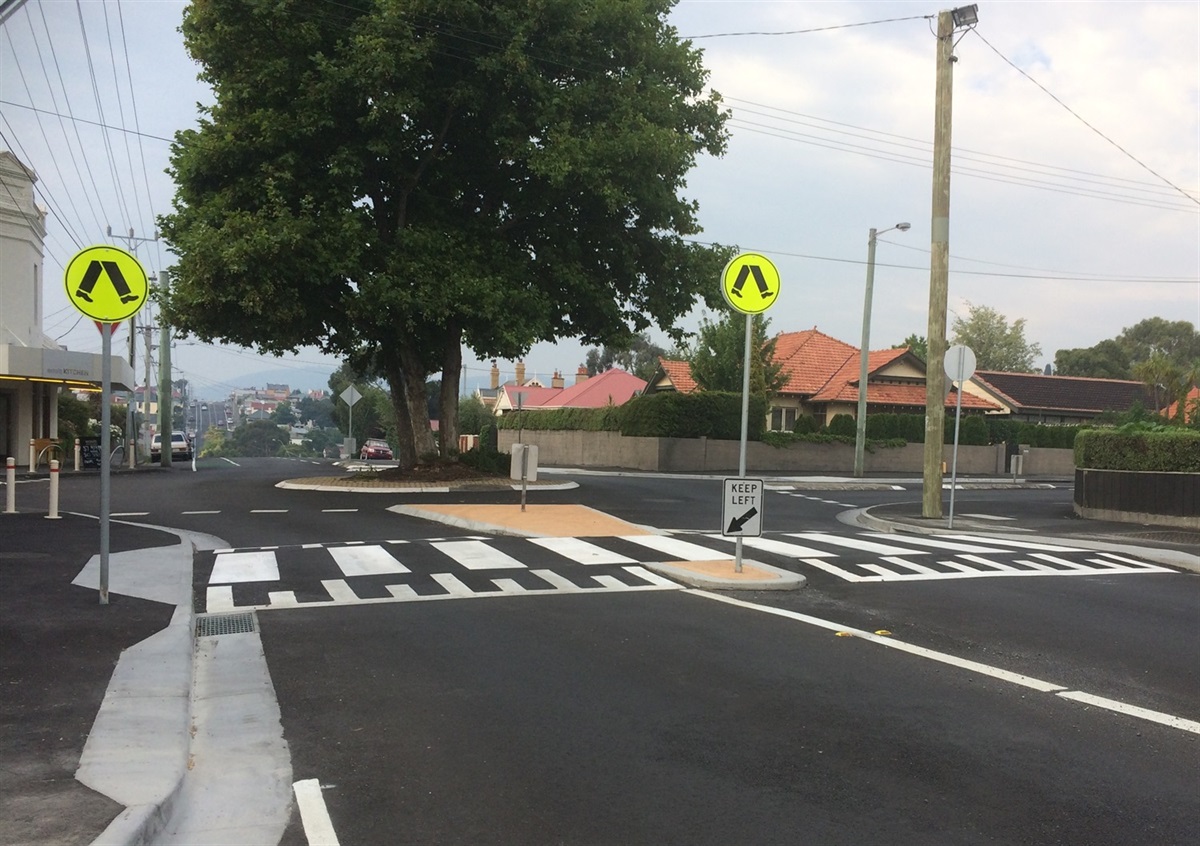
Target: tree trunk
406	450
451	375
414	373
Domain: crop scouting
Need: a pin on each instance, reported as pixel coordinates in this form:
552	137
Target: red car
374	448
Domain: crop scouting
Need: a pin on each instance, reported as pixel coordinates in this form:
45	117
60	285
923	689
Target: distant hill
303	380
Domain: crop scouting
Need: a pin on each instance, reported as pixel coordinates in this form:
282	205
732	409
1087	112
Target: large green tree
637	354
1175	341
997	344
717	357
393	179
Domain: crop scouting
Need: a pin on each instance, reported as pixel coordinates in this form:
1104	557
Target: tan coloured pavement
581	521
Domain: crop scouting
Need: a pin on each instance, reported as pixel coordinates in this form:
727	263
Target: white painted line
893	643
839	572
559	582
971	666
452	584
476	555
855	543
962	568
1038	565
1019	544
885	574
268	511
581	551
312	546
1132	710
1061	562
282	599
244	567
1137	566
678	550
130	514
199	512
339	591
509	586
219	599
649	576
988	517
402	592
937	544
318	828
992	565
609	582
908	565
365	561
338	510
788	550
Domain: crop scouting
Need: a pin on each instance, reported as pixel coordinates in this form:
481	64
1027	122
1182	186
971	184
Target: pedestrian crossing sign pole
108	285
749	300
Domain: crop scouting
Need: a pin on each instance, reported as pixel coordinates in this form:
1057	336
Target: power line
811	30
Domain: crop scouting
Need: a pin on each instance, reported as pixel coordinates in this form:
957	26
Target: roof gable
679	373
615	386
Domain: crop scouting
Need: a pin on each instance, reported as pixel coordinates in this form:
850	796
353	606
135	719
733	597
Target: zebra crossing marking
366	561
477	555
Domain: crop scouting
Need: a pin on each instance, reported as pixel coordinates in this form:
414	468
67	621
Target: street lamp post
860	425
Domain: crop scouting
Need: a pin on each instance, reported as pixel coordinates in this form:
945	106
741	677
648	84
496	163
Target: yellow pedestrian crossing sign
106	284
750	283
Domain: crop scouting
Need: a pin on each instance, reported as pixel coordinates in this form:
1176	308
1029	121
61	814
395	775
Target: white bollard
53	515
78	455
10	485
32	455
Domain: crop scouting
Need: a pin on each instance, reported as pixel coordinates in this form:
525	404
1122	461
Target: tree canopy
720	349
392	179
996	344
1177	341
915	343
637	354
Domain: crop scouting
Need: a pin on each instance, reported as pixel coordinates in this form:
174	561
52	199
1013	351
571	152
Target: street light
860	433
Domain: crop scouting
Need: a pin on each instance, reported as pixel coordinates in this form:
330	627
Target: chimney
520	372
495	375
556	381
581	374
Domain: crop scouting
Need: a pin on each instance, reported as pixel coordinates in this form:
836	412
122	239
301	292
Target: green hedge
974	430
606	419
712	414
1168	451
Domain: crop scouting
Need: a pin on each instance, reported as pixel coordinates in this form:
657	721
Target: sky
1075	169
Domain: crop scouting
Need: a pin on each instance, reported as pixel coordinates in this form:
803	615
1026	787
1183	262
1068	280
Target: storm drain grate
210	625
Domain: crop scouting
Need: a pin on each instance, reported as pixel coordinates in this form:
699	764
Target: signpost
959	365
749	300
350	396
108	285
742	508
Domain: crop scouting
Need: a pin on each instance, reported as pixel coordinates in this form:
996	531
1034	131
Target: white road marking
318	828
282	599
679	550
1133	562
651	577
509	585
939	544
339	591
476	555
218	599
909	565
839	572
581	551
788	550
856	543
988	517
453	585
965	664
200	512
402	591
268	511
365	561
244	567
130	514
560	582
338	510
1019	544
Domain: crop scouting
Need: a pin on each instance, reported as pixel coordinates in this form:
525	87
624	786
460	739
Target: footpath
99	713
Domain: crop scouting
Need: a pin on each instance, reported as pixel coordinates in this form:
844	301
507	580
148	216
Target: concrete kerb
138	749
1166	557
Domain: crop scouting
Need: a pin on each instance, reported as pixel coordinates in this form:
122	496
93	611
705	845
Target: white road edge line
972	666
318	828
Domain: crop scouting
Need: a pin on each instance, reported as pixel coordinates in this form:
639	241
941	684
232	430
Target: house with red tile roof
614	387
821	380
1191	407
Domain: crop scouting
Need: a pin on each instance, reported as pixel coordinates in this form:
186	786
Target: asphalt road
674	717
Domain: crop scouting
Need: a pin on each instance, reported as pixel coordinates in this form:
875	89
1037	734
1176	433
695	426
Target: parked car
375	448
181	447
